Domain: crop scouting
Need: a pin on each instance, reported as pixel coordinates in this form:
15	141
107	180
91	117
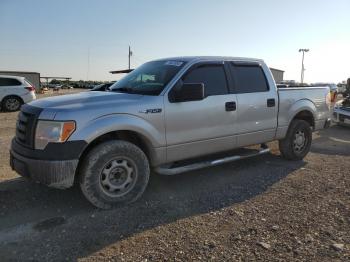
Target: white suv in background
15	91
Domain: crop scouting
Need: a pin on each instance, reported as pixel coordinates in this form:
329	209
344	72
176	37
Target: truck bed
297	98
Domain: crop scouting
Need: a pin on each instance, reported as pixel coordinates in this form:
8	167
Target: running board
177	170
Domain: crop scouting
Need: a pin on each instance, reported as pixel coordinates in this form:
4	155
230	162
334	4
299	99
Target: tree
55	82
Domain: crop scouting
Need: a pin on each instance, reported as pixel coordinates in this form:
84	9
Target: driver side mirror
187	92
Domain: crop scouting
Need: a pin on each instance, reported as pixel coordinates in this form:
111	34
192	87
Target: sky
85	39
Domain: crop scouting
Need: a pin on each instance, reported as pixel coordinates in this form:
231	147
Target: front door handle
230	106
271	102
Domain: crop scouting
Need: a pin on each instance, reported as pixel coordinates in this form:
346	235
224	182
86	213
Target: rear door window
9	82
212	76
249	79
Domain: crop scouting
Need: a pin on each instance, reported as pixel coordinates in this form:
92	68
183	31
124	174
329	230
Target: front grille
25	126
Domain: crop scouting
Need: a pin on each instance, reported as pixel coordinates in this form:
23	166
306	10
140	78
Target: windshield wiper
124	89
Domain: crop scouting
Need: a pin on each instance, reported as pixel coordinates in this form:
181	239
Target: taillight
333	97
329	100
30	88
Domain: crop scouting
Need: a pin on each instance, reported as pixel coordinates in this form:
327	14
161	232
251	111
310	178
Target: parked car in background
341	88
341	113
54	86
15	91
102	87
65	86
332	87
291	85
281	85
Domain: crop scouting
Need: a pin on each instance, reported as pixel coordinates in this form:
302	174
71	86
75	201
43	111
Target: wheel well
306	116
126	135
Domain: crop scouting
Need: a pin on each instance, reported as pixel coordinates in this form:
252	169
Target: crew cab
171	116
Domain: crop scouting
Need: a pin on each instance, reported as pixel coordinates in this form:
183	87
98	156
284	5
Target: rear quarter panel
294	100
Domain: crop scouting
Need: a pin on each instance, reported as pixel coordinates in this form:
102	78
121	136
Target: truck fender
117	122
285	121
299	106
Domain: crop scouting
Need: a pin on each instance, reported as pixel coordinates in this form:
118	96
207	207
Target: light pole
302	63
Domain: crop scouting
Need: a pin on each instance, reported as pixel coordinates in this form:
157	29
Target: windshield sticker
174	63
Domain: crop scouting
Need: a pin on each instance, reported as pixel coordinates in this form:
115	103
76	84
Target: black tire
11	103
292	147
105	176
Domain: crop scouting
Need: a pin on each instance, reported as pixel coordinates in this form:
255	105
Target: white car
15	91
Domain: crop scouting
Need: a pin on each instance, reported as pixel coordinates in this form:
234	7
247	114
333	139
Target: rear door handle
230	106
271	102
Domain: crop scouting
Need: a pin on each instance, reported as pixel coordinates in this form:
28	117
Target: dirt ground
264	208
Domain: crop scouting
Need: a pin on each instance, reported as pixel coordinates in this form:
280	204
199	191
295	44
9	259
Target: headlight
52	131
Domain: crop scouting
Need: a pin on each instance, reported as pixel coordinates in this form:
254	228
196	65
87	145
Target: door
10	86
202	127
3	88
257	106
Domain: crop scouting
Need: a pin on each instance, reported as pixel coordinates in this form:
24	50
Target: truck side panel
295	100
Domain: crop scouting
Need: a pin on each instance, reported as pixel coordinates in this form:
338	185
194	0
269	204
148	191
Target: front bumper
57	174
55	166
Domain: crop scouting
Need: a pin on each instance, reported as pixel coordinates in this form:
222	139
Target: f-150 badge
151	111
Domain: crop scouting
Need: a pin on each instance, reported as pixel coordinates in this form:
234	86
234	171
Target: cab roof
211	58
11	76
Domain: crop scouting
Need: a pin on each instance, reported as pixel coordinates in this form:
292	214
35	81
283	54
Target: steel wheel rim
12	103
300	141
118	177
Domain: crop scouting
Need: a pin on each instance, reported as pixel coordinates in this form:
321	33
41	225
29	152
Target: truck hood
85	100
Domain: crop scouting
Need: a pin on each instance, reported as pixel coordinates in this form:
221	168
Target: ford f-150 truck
170	115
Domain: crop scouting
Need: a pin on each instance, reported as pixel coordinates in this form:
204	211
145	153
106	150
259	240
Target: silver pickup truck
170	115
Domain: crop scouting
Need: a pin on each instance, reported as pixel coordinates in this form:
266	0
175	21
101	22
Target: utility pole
302	64
129	55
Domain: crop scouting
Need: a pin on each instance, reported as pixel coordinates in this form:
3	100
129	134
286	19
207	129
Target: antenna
88	65
129	55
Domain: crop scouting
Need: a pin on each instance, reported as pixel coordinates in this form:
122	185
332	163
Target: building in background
277	74
32	77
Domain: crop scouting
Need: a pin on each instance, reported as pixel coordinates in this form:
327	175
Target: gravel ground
264	208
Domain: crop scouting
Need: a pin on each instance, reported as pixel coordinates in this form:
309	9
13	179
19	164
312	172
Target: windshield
148	79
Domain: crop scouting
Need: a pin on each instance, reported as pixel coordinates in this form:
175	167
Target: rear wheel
12	103
297	142
114	173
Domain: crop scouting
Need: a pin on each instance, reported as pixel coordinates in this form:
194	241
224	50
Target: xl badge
151	111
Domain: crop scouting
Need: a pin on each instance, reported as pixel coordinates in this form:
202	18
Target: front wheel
114	173
297	142
12	104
